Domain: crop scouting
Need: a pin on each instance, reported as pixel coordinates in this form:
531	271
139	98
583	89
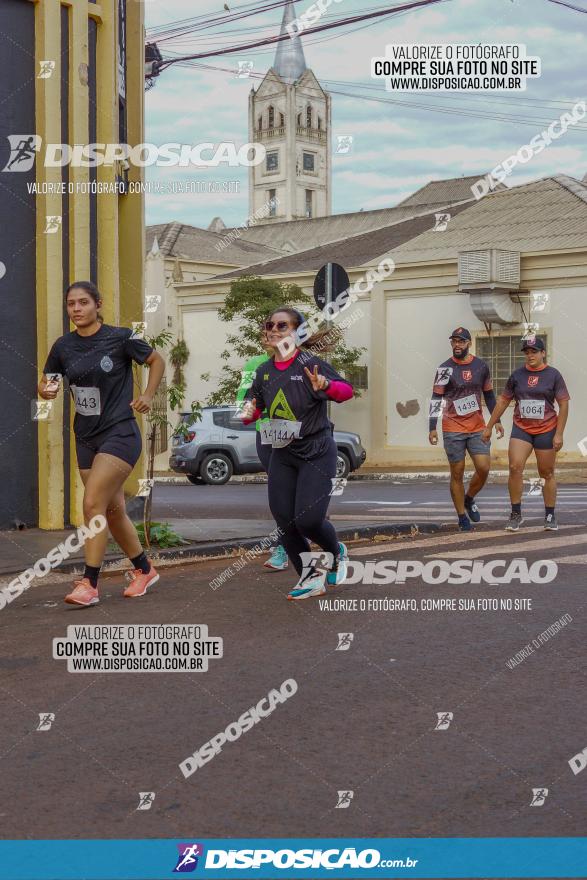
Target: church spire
289	58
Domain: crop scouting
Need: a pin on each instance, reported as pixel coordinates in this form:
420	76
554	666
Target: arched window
281	120
319	122
300	119
308	117
260	123
271	117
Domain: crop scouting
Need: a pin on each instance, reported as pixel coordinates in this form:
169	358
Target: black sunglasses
277	325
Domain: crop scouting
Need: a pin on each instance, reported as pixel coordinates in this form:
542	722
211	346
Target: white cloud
397	148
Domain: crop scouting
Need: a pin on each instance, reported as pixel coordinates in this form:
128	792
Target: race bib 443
86	400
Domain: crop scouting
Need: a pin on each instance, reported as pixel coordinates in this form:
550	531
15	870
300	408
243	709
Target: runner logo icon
46	719
187	860
539	795
23	149
444	719
533	380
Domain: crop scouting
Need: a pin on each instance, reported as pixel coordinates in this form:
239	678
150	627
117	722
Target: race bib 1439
466	405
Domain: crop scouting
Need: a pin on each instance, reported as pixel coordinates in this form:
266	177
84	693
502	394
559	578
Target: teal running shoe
278	560
337	577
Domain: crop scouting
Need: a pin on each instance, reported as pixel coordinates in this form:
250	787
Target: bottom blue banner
270	858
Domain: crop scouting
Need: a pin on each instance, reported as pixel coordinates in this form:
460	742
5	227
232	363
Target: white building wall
566	317
418	328
205	336
353	415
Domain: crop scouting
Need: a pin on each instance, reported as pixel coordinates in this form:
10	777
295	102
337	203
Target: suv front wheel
216	469
343	464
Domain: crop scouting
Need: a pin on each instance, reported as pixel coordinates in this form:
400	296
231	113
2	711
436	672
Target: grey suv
219	445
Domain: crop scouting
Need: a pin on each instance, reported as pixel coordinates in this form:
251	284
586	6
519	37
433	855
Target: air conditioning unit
490	276
489	269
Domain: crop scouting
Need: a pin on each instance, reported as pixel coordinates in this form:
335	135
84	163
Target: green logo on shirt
280	408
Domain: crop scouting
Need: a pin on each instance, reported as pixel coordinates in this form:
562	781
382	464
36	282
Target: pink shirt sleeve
339	391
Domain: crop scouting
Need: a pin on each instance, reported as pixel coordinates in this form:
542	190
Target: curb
222	549
219	549
383	476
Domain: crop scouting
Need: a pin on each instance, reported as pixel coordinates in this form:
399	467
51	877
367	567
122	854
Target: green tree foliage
249	302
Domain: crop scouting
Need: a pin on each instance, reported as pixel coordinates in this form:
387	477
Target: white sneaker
310	584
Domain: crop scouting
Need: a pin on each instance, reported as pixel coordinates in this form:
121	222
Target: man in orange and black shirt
460	381
536	426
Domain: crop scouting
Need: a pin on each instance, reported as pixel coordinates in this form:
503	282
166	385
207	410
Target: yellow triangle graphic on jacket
280	408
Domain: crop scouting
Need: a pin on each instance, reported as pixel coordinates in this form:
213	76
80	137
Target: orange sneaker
140	582
83	593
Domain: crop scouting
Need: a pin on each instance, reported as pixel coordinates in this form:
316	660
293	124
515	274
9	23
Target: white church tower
290	114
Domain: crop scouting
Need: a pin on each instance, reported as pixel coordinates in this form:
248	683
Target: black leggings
299	495
264	451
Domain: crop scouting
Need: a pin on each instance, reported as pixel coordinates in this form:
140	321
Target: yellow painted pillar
79	199
131	207
107	133
49	261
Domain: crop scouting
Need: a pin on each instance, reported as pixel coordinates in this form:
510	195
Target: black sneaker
514	522
464	523
472	510
550	523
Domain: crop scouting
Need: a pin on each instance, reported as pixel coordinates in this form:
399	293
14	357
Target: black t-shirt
99	371
288	394
535	392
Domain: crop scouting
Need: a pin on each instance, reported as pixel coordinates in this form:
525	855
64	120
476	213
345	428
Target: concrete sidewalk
204	539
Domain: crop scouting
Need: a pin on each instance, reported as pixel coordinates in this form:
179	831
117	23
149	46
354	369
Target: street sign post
329	282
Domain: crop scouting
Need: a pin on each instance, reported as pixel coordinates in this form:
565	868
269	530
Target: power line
568	5
203	22
496	116
415	4
185	28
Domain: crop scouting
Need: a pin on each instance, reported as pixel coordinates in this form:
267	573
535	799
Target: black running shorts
122	440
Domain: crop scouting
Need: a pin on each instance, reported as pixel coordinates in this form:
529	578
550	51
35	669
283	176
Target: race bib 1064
532	409
466	405
279	432
87	400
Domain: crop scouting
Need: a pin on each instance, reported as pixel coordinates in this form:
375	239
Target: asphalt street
417	713
362	501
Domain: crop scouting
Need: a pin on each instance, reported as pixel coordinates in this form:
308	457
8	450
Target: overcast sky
396	148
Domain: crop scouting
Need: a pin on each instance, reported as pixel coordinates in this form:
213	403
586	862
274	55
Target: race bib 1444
279	432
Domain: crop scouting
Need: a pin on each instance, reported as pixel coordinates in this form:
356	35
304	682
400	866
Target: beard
460	353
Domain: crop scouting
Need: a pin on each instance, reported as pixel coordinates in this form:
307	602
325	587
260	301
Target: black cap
461	332
533	342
